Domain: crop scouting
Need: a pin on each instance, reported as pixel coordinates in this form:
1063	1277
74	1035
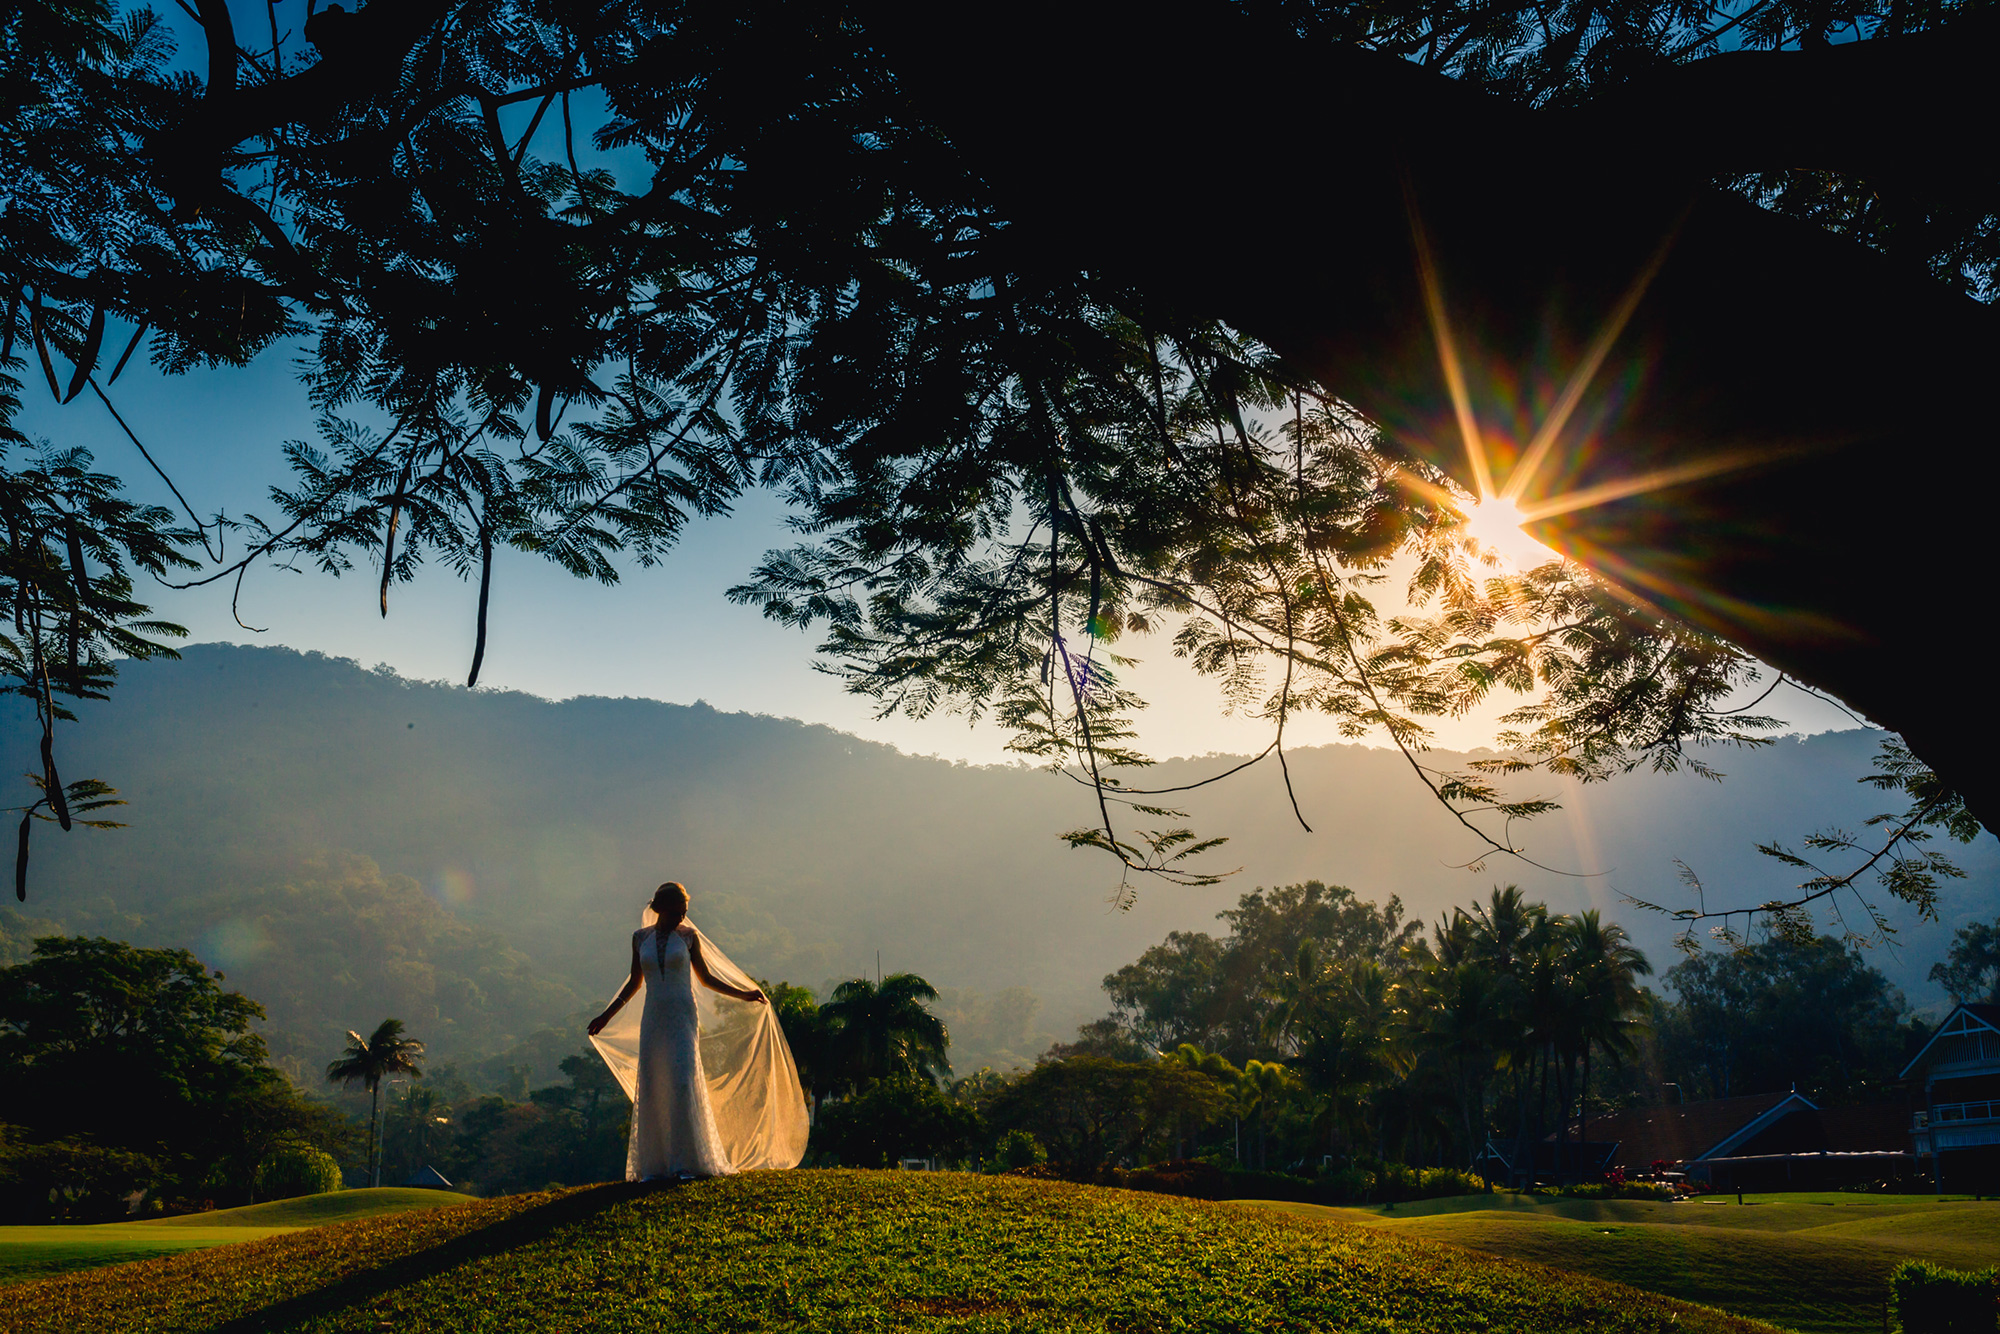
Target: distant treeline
1501	1020
1321	1035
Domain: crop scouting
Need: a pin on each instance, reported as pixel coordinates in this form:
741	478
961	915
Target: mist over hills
346	844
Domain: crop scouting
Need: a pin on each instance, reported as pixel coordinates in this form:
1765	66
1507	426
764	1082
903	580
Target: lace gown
673	1124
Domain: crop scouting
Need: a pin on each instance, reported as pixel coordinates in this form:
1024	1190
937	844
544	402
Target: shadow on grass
521	1229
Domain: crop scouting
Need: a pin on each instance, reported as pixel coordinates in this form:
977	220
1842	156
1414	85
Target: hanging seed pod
13	314
20	585
389	548
21	860
42	344
130	348
86	358
544	405
485	587
52	781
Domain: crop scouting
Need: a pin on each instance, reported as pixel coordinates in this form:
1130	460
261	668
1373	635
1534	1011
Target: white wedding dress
711	1078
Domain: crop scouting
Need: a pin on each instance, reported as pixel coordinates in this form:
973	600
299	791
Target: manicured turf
38	1252
313	1210
846	1251
1814	1263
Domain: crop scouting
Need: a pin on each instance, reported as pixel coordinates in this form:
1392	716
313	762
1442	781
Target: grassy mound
1815	1263
338	1206
841	1251
40	1252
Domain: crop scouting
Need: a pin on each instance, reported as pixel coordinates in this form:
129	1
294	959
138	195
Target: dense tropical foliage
1337	1033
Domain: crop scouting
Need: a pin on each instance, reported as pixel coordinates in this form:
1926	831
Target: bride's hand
757	997
597	1025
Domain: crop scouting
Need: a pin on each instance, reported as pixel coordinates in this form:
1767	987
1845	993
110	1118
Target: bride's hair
673	892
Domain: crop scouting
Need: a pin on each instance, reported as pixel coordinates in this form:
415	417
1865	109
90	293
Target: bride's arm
708	978
624	994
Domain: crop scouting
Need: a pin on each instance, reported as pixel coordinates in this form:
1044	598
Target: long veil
753	1087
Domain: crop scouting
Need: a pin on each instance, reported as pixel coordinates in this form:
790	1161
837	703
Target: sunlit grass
40	1252
1815	1263
839	1251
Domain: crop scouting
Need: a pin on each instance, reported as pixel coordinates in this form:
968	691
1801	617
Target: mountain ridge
543	824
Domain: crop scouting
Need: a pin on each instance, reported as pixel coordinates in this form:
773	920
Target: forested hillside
347	844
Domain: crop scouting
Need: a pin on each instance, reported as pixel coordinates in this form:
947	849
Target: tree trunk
1524	1079
1562	1117
1542	1093
1534	224
374	1163
1583	1109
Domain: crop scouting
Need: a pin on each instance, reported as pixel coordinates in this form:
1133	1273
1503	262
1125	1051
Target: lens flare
1524	462
234	943
454	887
1495	524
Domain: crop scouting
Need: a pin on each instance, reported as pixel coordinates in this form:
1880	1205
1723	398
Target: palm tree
1604	967
810	1036
1449	1011
1211	1063
1506	929
1332	1022
1510	935
1258	1090
367	1061
882	1032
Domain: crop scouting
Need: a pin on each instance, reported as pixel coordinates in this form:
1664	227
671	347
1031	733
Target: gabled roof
1785	1106
1968	1033
429	1178
1542	1156
1688	1131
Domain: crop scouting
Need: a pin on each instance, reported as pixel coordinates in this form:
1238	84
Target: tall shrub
1932	1300
297	1169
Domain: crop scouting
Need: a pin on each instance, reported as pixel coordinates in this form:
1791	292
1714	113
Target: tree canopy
1018	433
1783	1014
141	1052
1971	972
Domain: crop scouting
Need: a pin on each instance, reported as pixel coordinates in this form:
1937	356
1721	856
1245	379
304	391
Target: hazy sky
665	633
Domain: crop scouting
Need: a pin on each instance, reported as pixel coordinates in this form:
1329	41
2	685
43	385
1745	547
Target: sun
1494	511
1495	523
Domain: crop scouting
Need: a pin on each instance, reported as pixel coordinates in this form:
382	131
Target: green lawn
338	1206
39	1252
1814	1263
847	1251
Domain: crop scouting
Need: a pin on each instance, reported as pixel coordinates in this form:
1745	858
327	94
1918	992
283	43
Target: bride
710	1075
